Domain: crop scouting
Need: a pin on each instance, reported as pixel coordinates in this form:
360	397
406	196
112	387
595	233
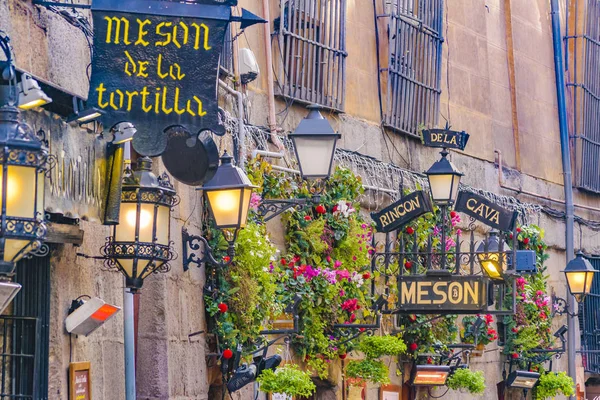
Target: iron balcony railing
412	95
312	52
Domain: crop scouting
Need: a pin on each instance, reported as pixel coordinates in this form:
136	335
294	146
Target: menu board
80	381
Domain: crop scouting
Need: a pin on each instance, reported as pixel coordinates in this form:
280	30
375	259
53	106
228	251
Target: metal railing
584	44
589	325
312	52
412	95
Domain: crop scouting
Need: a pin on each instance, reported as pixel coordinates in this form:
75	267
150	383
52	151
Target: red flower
227	354
453	214
412	317
366	275
510	236
413	346
491	331
343	356
526	241
320	209
283	261
540	247
515	330
335	208
361	329
307	218
352	317
518	230
515	355
489	319
223	308
410	230
429	359
543	315
226	259
408	265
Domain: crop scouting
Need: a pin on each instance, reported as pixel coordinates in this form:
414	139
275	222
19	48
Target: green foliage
369	370
485	334
288	379
471	381
552	384
377	346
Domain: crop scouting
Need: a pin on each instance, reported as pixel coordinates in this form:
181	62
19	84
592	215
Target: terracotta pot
283	321
478	351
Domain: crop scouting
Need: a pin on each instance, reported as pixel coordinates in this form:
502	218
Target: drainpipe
241	126
270	78
566	162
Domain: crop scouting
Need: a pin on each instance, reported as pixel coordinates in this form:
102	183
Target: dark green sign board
401	212
485	211
453	294
155	64
445	138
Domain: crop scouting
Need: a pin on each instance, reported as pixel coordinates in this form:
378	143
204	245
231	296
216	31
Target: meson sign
155	65
450	293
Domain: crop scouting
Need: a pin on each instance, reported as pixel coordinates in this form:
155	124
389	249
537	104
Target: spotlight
84	115
8	291
85	317
123	132
241	377
30	93
560	333
430	375
522	379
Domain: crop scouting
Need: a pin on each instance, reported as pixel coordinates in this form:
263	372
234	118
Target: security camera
87	316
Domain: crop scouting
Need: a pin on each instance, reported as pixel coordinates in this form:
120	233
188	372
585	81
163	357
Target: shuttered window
412	95
312	52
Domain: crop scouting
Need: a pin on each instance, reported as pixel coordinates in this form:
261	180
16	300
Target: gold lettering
197	40
201	113
121	99
142	32
189	109
441	293
472	292
185	32
145	94
496	217
166	35
408	293
471	203
159	68
101	89
143	66
130	96
176	103
453	140
117	22
131	62
166	110
384	220
422	292
455	292
157	101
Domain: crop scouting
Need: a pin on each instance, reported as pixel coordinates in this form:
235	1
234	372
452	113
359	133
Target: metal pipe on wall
568	184
129	344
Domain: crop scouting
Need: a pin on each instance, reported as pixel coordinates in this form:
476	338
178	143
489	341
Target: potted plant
464	379
378	346
479	334
289	380
552	384
359	371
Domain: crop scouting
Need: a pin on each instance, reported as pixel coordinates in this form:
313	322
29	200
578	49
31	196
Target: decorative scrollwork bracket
192	252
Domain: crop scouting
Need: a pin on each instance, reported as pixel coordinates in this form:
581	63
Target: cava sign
485	211
439	294
445	138
402	212
156	65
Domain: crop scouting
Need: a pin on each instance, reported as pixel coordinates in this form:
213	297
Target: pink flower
342	293
450	243
343	274
350	305
337	264
255	201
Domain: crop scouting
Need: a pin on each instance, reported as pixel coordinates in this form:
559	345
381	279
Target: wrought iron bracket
560	306
269	209
193	254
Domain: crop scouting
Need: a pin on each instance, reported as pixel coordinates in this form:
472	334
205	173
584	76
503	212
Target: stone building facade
496	81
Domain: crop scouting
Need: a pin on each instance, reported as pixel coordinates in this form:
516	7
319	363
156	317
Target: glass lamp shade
228	195
140	244
580	275
22	165
314	143
492	256
444	181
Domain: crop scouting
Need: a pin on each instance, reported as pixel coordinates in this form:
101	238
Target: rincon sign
402	211
439	294
485	211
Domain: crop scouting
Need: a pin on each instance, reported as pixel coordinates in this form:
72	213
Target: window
589	324
226	60
412	96
312	51
25	336
585	53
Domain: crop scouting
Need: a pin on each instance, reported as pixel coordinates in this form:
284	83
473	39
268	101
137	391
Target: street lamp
444	180
492	256
314	143
140	242
580	274
228	196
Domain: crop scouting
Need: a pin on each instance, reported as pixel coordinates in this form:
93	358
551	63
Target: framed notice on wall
80	381
390	392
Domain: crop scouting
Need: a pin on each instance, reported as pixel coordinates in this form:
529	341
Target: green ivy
368	370
378	346
288	379
552	384
471	381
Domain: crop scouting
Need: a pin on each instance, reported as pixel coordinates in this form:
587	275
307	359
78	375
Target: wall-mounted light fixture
83	115
444	180
228	196
87	316
522	379
430	375
140	244
580	274
30	93
493	258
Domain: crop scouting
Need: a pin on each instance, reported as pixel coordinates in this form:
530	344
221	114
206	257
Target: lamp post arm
197	256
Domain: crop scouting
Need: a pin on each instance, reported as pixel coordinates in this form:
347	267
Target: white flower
357	279
344	209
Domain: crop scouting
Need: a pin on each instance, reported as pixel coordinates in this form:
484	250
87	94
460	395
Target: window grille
226	60
25	336
312	51
412	96
589	325
584	43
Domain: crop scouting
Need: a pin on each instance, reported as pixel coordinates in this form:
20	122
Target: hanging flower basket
478	351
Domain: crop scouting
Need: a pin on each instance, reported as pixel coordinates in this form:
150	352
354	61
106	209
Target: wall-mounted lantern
580	275
140	244
228	196
444	180
492	255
